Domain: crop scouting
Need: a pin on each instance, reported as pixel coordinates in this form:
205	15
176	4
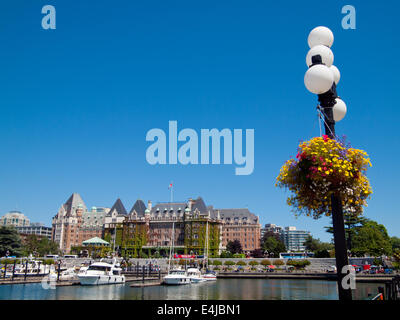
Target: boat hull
95	280
176	281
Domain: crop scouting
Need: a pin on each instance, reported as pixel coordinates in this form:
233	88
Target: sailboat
175	276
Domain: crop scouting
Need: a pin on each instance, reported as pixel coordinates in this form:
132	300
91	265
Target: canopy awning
95	241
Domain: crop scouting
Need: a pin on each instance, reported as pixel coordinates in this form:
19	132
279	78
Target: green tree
352	223
395	243
10	242
234	246
272	243
320	249
371	238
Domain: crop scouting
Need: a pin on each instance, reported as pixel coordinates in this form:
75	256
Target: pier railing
392	289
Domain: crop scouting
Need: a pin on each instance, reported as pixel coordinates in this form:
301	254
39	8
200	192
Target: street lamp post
321	78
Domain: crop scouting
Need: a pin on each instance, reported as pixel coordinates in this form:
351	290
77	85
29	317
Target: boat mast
172	245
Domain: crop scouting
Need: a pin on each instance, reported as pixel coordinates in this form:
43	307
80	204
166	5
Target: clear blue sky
76	102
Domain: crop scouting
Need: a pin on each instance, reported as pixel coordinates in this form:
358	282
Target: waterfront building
270	227
242	225
37	229
294	239
149	230
15	219
93	222
67	223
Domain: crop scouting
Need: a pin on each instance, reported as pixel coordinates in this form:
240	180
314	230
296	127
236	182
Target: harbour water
223	289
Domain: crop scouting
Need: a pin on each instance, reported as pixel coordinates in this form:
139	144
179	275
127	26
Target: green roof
94	241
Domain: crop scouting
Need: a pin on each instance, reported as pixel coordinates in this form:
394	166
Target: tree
10	242
272	243
40	247
320	249
257	253
234	247
371	238
395	243
351	224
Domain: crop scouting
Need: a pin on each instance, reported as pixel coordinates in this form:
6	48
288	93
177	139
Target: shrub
217	263
298	264
265	262
241	263
253	263
279	263
229	263
239	255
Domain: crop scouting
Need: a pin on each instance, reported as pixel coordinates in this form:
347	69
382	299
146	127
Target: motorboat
195	275
177	277
210	276
99	273
69	274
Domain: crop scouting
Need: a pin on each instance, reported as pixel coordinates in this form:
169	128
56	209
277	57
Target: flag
170	186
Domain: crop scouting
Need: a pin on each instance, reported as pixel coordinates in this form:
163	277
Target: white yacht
101	273
177	277
195	275
210	276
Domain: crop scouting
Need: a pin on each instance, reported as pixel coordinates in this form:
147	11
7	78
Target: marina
229	289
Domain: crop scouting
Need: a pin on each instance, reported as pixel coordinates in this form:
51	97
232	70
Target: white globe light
336	74
318	79
325	53
320	35
339	110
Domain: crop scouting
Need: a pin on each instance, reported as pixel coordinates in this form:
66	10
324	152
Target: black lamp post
321	78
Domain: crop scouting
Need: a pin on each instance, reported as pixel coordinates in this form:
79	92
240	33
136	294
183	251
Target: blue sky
76	102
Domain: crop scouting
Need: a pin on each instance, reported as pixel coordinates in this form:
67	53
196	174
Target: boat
175	276
100	273
69	274
210	276
195	275
32	268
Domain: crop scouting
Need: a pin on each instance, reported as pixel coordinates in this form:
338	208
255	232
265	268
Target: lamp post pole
327	101
321	78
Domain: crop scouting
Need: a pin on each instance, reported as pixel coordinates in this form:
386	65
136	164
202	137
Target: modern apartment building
294	239
37	229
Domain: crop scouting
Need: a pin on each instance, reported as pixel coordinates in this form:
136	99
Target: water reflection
223	289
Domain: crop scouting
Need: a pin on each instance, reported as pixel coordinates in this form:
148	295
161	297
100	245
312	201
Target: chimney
191	202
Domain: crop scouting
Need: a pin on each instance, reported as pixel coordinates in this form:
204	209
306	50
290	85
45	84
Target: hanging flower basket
324	166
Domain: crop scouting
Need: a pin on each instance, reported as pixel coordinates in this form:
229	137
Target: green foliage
395	241
39	247
317	246
298	264
272	243
377	262
143	255
226	254
217	263
279	262
239	255
234	246
253	263
265	262
10	241
241	263
229	263
371	238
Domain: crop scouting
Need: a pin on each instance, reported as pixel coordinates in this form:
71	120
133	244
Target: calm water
229	289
